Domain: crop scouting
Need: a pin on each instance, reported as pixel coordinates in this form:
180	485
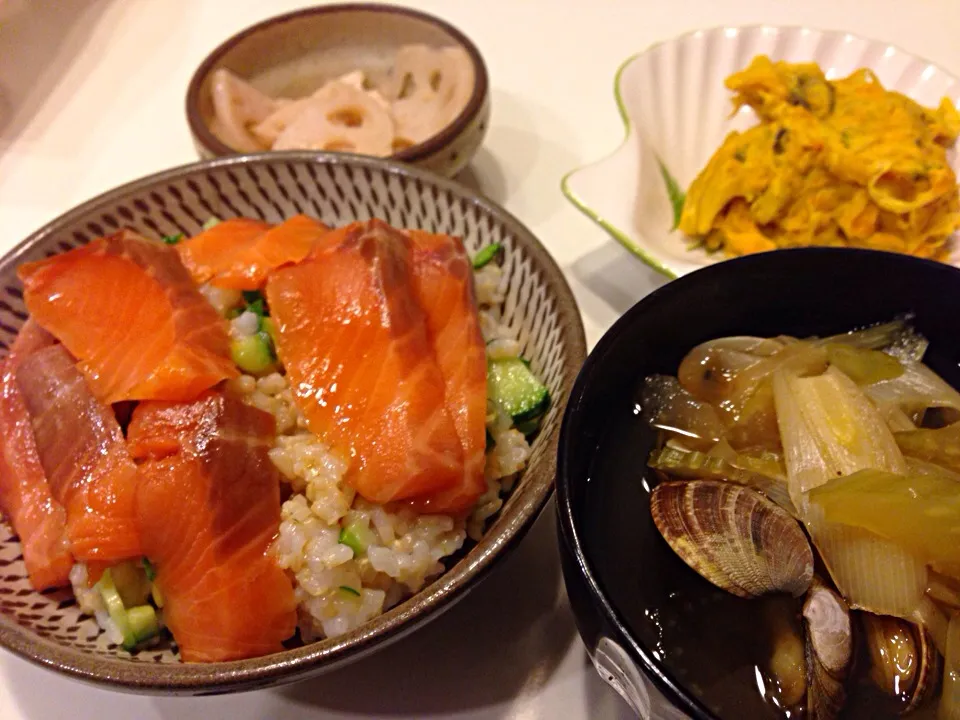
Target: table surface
91	96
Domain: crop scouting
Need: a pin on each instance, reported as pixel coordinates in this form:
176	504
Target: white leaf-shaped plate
677	112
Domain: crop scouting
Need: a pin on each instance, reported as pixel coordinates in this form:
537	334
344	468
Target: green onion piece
864	366
211	222
257	307
677	196
485	255
148	569
350	591
172	239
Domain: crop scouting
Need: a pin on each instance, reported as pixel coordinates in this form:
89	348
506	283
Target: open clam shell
733	536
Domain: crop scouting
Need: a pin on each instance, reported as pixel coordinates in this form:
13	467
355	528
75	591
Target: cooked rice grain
337	589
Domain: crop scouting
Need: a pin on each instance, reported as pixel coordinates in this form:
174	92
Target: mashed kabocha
832	162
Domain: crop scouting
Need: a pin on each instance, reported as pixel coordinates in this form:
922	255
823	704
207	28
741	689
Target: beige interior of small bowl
294	56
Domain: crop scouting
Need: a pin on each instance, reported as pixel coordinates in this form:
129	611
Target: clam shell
905	663
829	650
733	536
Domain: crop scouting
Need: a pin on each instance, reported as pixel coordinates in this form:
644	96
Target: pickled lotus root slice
238	107
342	118
273	126
733	536
429	87
359	80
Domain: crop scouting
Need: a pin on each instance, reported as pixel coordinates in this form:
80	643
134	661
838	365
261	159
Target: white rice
338	590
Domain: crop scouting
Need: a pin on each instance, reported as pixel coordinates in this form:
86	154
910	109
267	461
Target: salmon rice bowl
309	421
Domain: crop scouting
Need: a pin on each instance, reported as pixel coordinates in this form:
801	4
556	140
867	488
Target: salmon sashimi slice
443	281
25	497
210	252
209	511
286	244
354	342
127	309
84	457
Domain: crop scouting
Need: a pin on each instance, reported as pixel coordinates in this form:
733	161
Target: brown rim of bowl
302	662
411	154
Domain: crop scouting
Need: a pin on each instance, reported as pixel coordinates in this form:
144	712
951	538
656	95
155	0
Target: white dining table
92	96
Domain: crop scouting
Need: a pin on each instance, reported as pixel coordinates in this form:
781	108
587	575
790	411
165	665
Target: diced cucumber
529	427
156	595
357	536
515	389
211	221
268	326
131	582
253	353
114	605
172	239
486	254
347	590
143	622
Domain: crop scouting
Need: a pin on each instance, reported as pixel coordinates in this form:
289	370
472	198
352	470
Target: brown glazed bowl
48	628
295	53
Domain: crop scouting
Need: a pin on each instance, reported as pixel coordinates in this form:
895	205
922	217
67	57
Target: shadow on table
485	177
503	641
38	42
616	280
526	151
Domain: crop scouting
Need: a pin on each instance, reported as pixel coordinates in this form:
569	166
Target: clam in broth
779	456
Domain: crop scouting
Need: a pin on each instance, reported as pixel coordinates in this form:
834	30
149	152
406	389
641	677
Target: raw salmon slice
211	251
126	308
443	282
287	243
209	510
84	457
354	342
25	497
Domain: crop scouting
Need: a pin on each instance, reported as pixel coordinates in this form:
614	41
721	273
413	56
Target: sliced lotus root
271	127
429	88
340	117
358	79
237	107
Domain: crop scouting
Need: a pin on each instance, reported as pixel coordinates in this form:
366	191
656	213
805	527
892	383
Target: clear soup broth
715	644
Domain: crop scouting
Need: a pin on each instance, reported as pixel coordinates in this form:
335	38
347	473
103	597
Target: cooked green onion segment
855	436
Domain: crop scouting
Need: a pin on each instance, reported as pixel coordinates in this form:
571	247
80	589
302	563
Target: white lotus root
426	90
238	106
339	117
429	87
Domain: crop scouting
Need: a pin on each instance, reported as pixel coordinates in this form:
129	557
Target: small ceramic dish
49	629
294	54
673	644
676	110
